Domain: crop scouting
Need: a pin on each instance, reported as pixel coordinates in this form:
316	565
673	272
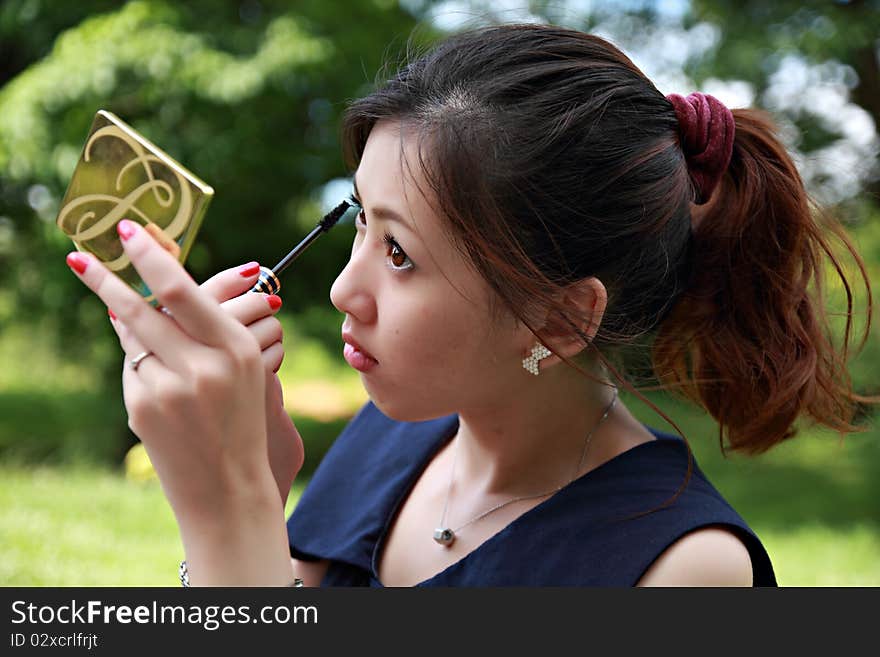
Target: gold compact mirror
122	175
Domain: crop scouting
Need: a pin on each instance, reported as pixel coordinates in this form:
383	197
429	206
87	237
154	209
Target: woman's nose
351	293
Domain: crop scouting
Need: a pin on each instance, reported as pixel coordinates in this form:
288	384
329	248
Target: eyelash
387	238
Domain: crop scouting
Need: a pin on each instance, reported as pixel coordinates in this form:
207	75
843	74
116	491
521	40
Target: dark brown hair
553	158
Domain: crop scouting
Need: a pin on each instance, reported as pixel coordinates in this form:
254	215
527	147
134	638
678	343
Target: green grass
87	527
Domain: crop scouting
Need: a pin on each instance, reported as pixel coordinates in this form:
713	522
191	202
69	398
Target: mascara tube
268	282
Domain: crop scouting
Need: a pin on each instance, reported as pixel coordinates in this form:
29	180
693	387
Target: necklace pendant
444	536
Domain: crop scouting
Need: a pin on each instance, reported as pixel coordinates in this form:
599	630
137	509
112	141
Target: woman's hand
285	445
198	403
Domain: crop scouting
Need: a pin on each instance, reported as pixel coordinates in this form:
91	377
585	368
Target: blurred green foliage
246	94
756	35
843	36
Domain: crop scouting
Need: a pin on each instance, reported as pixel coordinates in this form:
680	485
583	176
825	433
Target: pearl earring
539	352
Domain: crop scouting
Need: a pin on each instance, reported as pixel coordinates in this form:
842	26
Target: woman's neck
532	440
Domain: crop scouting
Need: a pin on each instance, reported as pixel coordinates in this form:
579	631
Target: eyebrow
382	212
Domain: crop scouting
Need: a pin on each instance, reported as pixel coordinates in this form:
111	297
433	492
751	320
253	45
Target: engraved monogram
121	175
88	217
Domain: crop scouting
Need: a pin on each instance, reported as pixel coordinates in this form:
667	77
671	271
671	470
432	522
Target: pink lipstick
358	359
355	355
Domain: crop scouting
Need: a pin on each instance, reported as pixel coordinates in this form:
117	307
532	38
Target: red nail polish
78	262
111	313
250	269
274	301
126	229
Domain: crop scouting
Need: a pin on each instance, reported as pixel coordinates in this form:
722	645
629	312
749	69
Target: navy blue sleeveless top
593	532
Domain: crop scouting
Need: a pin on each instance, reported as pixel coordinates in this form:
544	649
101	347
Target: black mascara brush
268	281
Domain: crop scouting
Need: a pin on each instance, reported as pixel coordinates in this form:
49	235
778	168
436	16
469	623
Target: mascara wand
268	281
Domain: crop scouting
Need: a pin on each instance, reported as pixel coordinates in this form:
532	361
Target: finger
233	282
267	331
129	343
273	356
150	369
248	308
132	348
197	313
115	323
145	372
154	331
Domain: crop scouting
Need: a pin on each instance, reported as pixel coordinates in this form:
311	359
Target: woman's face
412	302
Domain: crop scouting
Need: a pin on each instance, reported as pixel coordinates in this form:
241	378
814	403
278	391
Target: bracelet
184	576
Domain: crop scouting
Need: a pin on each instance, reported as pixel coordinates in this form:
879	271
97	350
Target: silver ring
136	361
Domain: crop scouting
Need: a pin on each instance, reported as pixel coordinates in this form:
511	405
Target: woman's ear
584	303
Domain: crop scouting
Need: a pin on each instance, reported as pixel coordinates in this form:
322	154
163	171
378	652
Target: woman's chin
402	410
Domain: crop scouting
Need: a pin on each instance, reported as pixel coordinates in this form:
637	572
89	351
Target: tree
756	38
246	94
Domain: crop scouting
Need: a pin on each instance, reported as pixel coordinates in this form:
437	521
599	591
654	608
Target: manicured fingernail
250	269
126	229
78	262
274	301
111	313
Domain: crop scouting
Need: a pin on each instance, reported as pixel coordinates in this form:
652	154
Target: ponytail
749	339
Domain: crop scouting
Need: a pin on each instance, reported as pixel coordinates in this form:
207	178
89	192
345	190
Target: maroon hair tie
706	127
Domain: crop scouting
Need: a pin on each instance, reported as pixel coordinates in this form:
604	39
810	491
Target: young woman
531	206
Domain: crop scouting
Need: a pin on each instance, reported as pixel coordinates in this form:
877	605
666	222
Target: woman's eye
399	259
396	255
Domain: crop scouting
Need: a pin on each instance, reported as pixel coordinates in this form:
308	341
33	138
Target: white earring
539	352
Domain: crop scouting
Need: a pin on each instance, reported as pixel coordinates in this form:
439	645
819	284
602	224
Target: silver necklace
446	536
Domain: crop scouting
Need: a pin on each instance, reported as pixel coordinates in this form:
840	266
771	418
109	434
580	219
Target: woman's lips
355	356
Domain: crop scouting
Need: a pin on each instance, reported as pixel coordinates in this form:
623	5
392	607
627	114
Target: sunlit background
248	95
